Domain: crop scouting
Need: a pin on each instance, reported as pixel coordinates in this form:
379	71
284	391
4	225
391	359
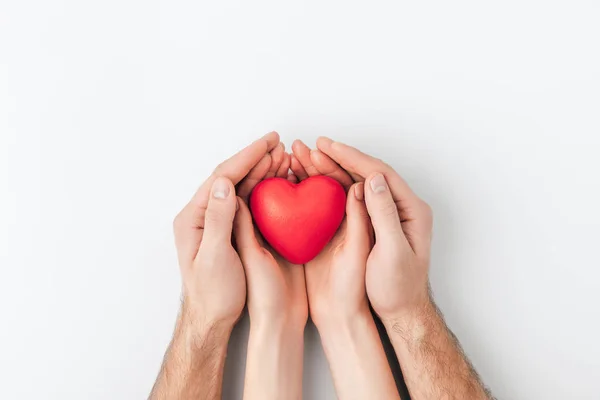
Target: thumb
382	208
357	218
218	219
243	231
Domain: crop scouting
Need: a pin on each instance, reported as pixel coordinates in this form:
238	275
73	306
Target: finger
357	217
255	175
382	209
236	167
277	156
302	153
356	162
361	165
292	178
284	169
220	212
297	168
326	166
244	233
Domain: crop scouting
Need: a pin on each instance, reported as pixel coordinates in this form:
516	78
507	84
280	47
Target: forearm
357	359
193	364
433	364
274	361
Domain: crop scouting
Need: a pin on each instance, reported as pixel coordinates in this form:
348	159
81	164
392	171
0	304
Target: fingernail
220	189
359	191
378	184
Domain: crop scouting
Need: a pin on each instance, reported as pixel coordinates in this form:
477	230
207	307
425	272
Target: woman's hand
277	302
337	298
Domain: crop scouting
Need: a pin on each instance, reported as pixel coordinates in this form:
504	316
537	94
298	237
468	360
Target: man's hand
214	286
397	268
397	281
277	302
335	282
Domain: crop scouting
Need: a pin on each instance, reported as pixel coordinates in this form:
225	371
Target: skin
213	278
277	304
335	284
397	283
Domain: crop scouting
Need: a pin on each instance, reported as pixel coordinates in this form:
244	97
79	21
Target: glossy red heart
298	220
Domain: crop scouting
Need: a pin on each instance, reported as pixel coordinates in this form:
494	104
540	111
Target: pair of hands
337	285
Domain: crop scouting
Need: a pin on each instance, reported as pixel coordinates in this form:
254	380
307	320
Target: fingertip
315	155
322	162
277	154
240	215
284	168
357	217
359	191
323	142
221	188
293	160
299	147
297	167
355	196
377	183
272	138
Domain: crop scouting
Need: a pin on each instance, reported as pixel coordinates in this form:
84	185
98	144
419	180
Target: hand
335	282
397	267
335	279
214	287
276	300
398	285
276	287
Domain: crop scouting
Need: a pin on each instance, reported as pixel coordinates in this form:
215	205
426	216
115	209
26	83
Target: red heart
298	220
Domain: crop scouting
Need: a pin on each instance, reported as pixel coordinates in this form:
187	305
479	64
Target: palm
276	288
336	277
279	287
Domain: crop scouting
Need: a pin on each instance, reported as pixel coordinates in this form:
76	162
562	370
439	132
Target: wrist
197	326
341	327
328	319
274	360
413	323
276	328
293	320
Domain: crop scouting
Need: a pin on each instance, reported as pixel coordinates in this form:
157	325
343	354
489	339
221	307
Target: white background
113	112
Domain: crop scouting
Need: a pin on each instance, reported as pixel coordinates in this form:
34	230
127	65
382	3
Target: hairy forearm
274	362
193	364
357	359
433	363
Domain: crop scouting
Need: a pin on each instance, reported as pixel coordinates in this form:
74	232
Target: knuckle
427	213
426	210
388	210
219	168
214	215
178	221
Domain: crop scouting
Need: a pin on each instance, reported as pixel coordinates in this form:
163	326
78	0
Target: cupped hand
397	267
276	287
214	286
335	279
